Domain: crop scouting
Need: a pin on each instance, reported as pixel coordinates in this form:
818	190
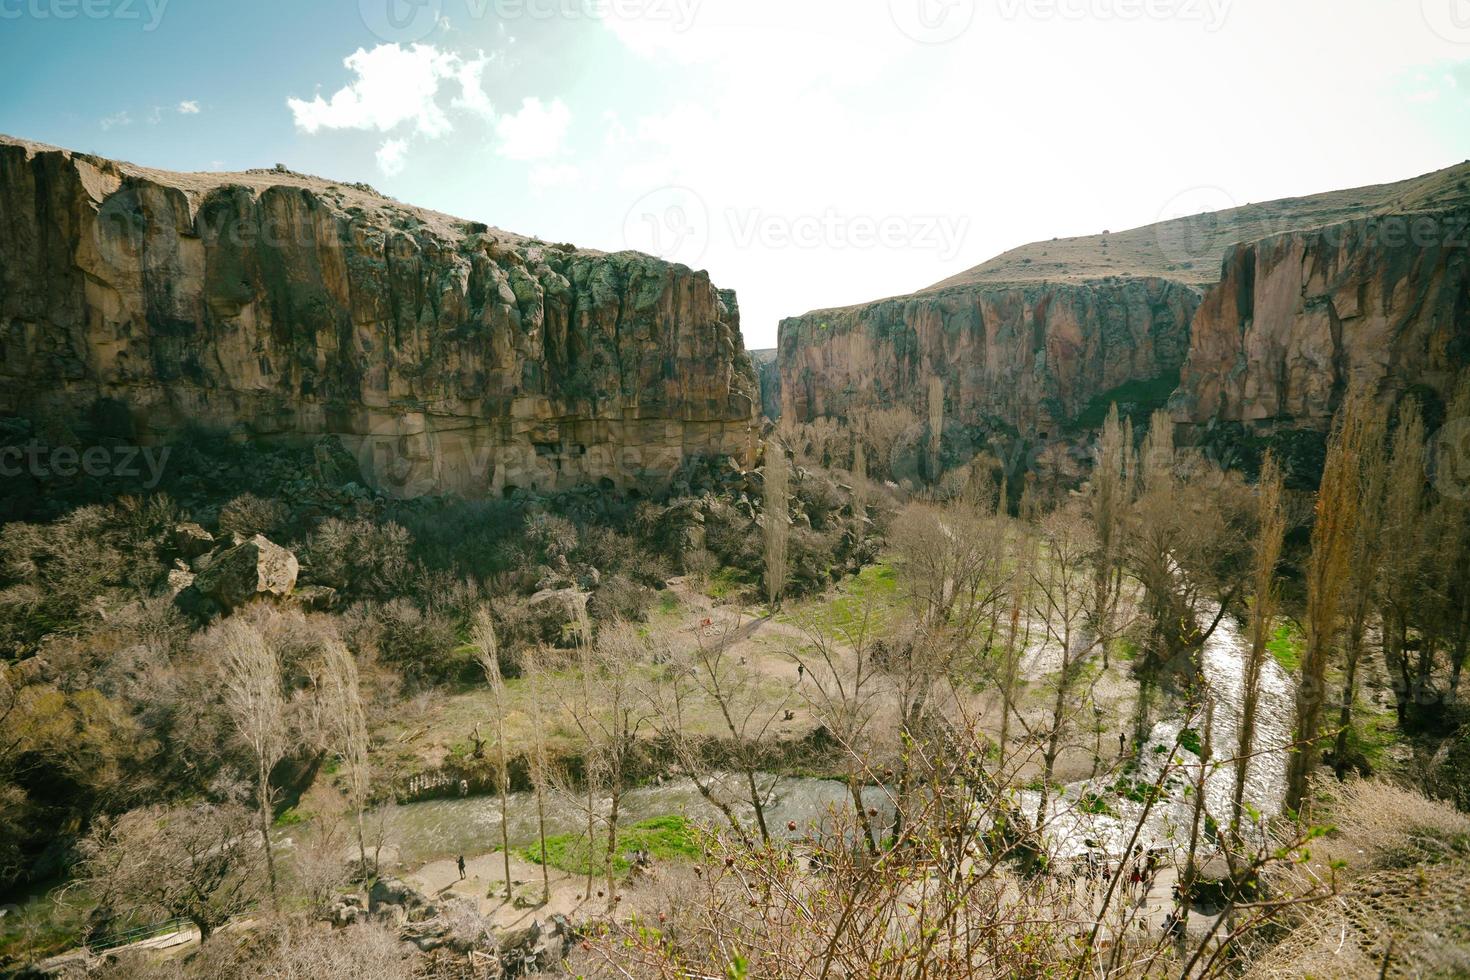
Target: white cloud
188	107
117	119
397	86
545	177
392	157
472	96
536	132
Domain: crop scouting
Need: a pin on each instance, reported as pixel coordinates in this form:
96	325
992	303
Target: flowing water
1071	830
436	829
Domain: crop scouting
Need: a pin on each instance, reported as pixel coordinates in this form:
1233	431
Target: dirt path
484	883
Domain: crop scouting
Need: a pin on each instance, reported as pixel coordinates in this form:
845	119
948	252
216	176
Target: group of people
1140	869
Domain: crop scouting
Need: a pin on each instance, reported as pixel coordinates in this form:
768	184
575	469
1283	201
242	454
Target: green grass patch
871	594
1286	646
665	838
291	817
729	583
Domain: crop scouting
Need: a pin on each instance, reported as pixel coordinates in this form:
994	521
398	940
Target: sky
808	153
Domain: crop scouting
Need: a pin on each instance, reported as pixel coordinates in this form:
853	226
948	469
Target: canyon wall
1300	317
1031	357
1262	315
447	355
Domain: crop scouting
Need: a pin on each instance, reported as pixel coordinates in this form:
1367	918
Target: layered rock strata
448	356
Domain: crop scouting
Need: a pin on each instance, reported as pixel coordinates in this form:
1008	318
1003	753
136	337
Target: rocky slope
1368	282
447	355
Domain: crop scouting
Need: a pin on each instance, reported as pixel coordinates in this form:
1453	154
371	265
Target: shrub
620	598
358	558
248	515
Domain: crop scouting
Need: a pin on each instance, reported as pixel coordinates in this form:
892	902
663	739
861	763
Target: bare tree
1363	575
1269	538
1111	492
193	862
844	695
348	731
533	670
1061	584
487	652
1333	536
613	725
251	675
1404	552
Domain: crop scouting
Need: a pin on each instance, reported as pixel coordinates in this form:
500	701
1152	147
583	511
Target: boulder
254	567
397	893
179	579
189	540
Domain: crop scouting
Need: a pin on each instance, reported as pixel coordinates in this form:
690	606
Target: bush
421	645
358	558
620	598
248	515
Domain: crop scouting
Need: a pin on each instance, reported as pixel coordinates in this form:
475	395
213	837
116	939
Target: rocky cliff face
1299	318
447	355
1368	285
769	378
1030	357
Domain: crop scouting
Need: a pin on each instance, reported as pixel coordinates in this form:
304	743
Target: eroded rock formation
1367	285
448	356
1032	357
1299	318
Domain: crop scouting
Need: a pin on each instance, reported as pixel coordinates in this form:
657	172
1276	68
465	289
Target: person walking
461	867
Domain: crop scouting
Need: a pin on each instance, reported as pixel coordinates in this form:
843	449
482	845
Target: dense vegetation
957	639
